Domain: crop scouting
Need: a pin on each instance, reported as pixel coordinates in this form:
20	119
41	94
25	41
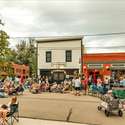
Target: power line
86	35
106	34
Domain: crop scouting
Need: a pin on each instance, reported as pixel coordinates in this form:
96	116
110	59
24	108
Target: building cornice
59	39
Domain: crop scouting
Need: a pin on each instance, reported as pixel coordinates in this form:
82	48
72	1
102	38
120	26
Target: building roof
58	38
104	58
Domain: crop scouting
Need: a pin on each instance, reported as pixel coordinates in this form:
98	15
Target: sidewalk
25	121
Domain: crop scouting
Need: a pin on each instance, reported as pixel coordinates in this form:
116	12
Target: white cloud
67	17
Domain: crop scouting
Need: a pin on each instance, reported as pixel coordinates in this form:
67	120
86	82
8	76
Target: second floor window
48	56
68	56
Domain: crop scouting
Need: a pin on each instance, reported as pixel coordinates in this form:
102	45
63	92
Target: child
3	113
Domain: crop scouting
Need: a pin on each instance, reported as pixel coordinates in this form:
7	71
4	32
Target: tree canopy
5	53
25	53
4	43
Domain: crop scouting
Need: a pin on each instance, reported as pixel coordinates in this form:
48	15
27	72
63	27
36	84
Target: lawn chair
13	115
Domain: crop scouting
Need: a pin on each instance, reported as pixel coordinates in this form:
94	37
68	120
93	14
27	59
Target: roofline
112	53
58	38
104	62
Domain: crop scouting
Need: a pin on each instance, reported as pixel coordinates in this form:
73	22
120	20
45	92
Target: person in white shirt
77	86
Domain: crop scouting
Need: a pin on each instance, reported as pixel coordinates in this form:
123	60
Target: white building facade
60	53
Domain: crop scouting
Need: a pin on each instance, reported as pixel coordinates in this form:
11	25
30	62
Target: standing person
77	86
21	81
17	80
39	80
73	83
106	83
122	81
99	81
85	84
43	79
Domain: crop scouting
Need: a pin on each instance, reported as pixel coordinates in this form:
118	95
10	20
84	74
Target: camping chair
13	114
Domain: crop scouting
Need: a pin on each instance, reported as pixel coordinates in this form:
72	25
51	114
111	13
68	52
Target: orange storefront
104	65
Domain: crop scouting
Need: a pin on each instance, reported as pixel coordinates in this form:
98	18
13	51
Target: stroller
111	106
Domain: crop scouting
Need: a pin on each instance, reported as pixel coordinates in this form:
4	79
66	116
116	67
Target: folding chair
13	114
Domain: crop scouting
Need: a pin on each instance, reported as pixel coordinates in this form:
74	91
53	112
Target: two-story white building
59	53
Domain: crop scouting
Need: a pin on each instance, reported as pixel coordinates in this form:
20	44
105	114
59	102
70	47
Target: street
64	107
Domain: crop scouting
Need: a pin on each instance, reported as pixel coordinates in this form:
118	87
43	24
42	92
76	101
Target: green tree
4	43
5	53
25	53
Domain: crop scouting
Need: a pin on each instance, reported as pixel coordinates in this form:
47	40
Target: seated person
59	88
2	92
3	113
12	101
5	109
35	88
53	87
66	87
109	97
42	86
6	88
47	86
19	89
11	89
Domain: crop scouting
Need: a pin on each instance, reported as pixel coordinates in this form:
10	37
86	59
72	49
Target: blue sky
43	18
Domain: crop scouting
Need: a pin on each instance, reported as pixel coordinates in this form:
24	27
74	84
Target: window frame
67	57
50	58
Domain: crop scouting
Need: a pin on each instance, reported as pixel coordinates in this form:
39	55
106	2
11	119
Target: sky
44	18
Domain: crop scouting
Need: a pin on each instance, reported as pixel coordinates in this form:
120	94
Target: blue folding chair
13	115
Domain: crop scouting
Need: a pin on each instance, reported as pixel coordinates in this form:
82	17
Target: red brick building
104	64
20	70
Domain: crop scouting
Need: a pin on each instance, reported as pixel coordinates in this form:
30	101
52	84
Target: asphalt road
64	107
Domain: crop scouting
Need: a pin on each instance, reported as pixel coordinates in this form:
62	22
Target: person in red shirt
85	84
99	81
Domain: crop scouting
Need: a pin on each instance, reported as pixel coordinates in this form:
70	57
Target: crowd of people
10	87
76	85
102	86
43	85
